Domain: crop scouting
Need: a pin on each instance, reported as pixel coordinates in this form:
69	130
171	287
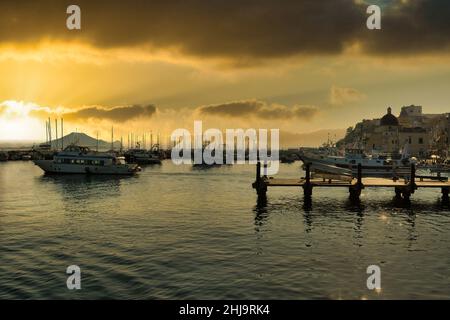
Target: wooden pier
403	188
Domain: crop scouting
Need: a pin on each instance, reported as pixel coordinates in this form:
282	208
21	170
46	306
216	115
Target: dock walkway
403	188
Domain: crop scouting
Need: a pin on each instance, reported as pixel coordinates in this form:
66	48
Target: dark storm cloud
234	29
114	114
259	109
419	26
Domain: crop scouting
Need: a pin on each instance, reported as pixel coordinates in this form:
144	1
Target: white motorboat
348	164
77	159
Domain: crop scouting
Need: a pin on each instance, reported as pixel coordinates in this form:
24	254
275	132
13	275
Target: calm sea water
174	232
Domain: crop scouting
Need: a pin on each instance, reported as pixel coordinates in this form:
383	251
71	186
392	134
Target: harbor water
177	232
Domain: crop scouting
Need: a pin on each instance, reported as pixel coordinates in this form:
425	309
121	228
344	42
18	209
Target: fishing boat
381	166
81	160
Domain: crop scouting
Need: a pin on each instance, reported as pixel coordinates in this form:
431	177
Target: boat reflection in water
77	159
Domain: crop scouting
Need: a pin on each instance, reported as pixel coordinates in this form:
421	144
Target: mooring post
398	193
359	175
259	184
307	186
445	192
258	171
307	174
355	190
412	181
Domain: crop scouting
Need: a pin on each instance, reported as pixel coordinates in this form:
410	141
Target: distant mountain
83	139
310	139
287	140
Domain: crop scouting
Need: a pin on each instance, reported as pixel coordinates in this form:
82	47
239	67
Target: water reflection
83	187
261	213
332	211
191	231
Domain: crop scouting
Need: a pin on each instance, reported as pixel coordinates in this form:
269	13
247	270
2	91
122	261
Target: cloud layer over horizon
256	29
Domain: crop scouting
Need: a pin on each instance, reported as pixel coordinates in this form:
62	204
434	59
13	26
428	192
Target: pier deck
367	182
404	188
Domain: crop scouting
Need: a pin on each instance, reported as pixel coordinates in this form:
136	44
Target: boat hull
50	167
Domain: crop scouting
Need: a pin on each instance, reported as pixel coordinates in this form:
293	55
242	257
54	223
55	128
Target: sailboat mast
56	131
112	138
151	139
50	132
46	132
62	134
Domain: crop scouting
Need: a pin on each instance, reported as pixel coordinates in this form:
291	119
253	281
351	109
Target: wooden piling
258	171
259	184
359	174
412	182
307	186
355	190
398	192
445	192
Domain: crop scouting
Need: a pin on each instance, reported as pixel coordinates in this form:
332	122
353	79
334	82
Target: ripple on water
173	232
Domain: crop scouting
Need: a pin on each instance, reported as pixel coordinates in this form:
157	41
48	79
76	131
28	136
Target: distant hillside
83	139
287	140
310	139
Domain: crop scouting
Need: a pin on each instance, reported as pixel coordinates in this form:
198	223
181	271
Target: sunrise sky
301	66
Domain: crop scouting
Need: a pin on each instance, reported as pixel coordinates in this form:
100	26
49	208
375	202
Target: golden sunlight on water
179	232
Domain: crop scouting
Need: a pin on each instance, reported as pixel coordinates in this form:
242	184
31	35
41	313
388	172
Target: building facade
412	132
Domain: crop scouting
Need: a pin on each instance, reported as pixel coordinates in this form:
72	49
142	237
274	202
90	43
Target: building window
420	140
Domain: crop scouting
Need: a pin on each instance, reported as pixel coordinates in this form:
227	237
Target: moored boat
441	167
142	156
348	164
81	160
3	156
